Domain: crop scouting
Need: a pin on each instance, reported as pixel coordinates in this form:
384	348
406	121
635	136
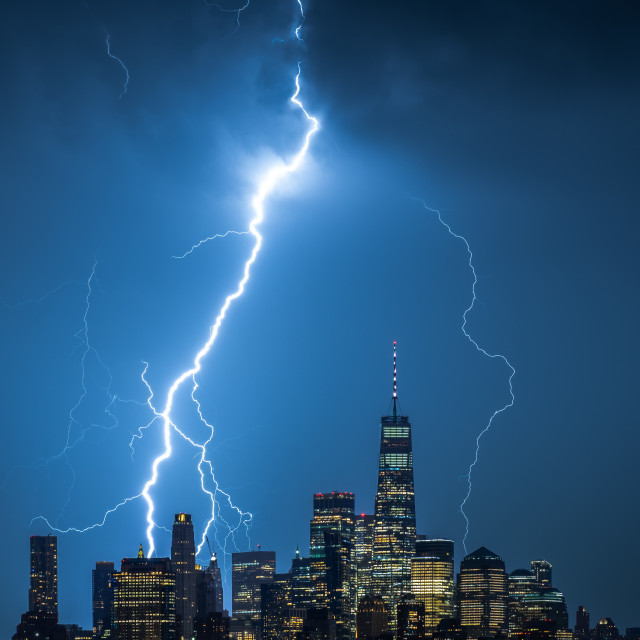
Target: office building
249	571
582	629
482	594
541	569
301	595
410	619
363	555
43	589
209	592
432	580
145	599
394	536
102	586
331	546
372	619
183	561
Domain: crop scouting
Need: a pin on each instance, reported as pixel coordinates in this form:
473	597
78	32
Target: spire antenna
395	380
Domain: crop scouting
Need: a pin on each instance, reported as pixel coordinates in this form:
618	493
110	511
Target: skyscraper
394	534
363	555
432	580
249	571
541	569
482	594
301	596
102	585
145	599
43	590
183	561
332	533
208	589
582	629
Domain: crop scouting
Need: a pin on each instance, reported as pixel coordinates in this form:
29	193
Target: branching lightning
36	301
267	185
481	350
236	11
205	240
122	64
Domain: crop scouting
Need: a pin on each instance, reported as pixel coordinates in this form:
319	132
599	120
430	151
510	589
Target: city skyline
131	135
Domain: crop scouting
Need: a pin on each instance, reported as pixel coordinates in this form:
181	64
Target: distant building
249	571
145	599
582	629
301	596
363	555
214	627
632	633
394	536
541	569
319	624
371	619
546	604
274	603
410	619
183	561
36	625
432	580
605	630
331	548
209	592
520	583
43	590
482	594
102	587
75	632
449	629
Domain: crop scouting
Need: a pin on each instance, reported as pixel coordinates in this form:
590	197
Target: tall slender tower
394	534
183	561
43	591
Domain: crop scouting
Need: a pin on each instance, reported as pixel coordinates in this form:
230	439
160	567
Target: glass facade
482	594
432	580
249	571
541	569
332	553
394	536
363	555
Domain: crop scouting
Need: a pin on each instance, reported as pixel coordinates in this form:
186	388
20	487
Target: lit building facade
546	604
410	619
102	587
43	586
331	549
582	629
432	580
541	569
394	536
301	596
183	561
249	571
145	599
482	594
363	555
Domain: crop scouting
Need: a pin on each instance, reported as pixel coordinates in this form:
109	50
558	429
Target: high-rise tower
183	562
102	591
331	545
394	535
43	590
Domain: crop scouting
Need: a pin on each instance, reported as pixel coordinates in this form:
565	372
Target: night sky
517	120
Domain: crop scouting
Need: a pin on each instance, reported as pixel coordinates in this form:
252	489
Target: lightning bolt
36	301
265	188
205	240
126	82
236	11
498	356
